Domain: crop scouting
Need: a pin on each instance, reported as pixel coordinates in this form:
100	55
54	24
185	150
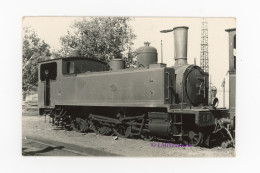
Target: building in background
232	70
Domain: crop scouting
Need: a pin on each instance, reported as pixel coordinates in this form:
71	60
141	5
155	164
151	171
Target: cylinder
117	64
181	44
146	55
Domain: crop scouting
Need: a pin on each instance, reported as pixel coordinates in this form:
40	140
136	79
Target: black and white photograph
129	86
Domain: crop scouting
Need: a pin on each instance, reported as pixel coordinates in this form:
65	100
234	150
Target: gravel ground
34	126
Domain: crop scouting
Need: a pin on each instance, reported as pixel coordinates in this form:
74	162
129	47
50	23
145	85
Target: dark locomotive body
152	101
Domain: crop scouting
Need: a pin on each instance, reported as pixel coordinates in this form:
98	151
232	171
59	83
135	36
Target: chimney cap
180	27
230	30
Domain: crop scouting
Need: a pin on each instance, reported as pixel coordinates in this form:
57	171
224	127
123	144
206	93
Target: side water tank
146	55
117	64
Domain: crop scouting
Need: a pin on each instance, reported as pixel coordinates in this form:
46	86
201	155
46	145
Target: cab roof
74	58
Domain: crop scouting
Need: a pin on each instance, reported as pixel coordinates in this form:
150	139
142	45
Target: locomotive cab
53	73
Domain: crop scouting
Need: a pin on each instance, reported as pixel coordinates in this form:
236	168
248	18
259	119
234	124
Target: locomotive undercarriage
148	124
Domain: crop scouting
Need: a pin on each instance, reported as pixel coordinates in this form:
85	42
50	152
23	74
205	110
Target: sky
148	29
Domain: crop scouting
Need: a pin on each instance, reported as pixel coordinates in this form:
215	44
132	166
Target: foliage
102	38
34	49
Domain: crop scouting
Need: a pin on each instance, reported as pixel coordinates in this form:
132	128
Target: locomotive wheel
100	128
79	125
122	131
206	140
195	139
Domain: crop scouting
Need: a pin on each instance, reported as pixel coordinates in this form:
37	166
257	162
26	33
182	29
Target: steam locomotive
151	102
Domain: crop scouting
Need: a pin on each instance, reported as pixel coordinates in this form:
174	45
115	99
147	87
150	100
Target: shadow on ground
45	150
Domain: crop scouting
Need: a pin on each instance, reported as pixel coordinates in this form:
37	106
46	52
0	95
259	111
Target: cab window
70	67
49	71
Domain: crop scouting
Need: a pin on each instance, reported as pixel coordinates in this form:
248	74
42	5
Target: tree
102	38
34	49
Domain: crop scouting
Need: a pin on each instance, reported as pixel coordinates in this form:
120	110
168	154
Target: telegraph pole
204	59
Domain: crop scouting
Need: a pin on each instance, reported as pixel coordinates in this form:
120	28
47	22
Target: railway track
43	147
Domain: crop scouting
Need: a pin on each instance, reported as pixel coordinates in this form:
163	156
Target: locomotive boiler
150	101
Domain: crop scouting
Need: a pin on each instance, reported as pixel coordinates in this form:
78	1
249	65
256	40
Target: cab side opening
48	72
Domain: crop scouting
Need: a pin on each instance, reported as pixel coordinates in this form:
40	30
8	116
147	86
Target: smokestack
181	44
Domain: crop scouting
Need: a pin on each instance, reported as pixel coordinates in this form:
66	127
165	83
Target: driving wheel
194	139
